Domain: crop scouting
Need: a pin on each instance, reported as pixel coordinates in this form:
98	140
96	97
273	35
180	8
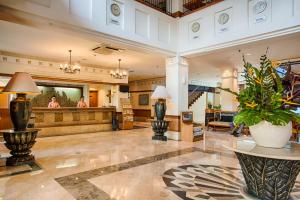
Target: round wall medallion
115	9
195	27
260	7
223	18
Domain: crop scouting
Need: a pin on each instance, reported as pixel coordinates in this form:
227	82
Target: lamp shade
21	82
160	92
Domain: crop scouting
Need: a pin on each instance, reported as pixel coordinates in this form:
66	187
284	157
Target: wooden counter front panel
65	121
69	117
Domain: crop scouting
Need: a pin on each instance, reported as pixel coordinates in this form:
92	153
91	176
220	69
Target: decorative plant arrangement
209	105
262	103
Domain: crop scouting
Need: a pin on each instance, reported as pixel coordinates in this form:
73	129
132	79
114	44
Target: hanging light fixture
118	73
69	67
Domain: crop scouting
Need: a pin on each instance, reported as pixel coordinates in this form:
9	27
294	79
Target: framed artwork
144	99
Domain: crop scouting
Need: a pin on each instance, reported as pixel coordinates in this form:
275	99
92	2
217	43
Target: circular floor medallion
202	182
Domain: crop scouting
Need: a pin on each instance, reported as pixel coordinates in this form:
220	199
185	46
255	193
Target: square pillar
229	80
177	86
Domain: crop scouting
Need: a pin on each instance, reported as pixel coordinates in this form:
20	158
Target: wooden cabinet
127	117
190	131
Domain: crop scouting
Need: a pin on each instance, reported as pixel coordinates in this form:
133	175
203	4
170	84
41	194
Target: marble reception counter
65	121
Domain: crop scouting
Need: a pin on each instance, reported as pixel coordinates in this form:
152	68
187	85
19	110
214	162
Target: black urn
160	109
20	111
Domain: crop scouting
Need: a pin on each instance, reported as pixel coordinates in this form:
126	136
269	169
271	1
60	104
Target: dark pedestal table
19	143
269	173
159	127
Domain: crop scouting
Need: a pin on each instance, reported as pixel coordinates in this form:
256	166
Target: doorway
93	98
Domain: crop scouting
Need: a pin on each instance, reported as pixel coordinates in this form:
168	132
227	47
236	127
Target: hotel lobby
149	99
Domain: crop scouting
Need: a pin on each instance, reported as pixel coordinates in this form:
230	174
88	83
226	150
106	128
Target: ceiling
54	45
142	63
280	48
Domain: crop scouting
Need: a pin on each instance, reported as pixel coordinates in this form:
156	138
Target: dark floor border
81	189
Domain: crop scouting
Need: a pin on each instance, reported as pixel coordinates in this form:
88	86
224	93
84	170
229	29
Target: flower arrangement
263	97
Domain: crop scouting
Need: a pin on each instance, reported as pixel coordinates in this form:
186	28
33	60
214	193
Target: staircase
194	96
195	92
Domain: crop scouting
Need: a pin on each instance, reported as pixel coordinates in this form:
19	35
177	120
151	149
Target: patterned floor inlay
80	188
200	182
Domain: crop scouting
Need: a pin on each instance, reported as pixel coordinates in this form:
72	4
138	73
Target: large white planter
268	135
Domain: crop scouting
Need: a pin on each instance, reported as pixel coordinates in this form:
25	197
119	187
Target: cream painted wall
137	22
281	17
103	91
10	65
117	96
144	87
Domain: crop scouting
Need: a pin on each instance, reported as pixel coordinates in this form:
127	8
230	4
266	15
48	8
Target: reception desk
66	121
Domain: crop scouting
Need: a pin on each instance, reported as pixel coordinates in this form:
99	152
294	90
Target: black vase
160	109
20	111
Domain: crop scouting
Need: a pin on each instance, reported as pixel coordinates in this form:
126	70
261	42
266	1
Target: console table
269	173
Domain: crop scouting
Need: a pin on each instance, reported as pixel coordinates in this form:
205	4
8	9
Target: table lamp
161	94
20	108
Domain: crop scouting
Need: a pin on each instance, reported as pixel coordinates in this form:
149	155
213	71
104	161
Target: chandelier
118	73
69	67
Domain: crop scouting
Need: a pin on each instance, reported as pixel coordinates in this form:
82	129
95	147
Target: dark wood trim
155	8
37	77
173	116
174	124
147	79
177	14
141	91
201	8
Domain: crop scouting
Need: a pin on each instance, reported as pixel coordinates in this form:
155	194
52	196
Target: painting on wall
144	99
66	96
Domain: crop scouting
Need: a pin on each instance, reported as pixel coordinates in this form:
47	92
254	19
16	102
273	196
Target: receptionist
81	103
53	103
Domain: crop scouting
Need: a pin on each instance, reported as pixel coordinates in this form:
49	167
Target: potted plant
209	105
263	107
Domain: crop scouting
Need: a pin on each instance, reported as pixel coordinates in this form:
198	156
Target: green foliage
218	107
262	99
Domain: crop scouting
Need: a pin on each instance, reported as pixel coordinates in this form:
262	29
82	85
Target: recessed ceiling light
248	54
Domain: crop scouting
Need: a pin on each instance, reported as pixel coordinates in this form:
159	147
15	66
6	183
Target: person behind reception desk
53	103
81	103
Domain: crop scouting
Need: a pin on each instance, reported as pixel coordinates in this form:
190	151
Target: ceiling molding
207	50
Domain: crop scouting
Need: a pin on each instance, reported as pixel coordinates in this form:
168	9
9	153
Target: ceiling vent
105	49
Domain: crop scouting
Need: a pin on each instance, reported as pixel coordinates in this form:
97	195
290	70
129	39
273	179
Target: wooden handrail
169	11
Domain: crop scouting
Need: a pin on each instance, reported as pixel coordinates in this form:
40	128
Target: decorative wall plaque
259	11
115	9
195	27
115	12
260	7
223	18
223	21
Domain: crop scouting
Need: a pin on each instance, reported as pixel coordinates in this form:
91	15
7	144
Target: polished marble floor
113	165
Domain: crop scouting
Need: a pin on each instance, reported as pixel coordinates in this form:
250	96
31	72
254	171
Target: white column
229	80
177	85
176	5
